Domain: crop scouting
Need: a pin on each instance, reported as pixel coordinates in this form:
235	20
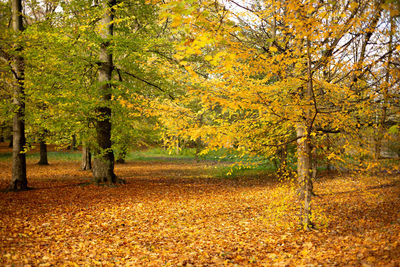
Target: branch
327	130
142	80
4	55
285	143
176	62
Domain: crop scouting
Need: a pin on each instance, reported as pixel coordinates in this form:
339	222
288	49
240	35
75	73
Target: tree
18	180
43	152
103	165
279	72
86	163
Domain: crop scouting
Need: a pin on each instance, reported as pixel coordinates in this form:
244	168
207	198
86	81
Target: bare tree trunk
18	180
304	150
11	141
73	143
103	163
43	153
2	134
381	124
86	163
198	144
304	174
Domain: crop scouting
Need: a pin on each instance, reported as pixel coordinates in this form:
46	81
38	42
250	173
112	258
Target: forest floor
177	213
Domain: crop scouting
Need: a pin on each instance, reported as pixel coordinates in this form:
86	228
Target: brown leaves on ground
175	213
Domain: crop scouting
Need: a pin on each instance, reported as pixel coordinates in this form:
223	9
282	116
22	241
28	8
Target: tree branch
142	80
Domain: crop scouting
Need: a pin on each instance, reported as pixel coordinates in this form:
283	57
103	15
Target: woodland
198	133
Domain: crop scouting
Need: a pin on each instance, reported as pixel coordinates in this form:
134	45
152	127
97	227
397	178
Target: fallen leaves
175	213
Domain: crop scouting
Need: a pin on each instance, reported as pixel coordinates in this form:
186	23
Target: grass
161	154
236	171
233	166
54	155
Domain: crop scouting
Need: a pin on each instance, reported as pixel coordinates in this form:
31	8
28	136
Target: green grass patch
51	156
235	171
161	154
5	156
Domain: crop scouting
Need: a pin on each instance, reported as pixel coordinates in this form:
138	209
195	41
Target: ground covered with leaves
177	213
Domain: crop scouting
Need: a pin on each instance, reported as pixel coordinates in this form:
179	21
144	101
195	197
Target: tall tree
103	164
280	72
18	180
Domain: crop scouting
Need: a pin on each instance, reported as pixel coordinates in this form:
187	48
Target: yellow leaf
208	57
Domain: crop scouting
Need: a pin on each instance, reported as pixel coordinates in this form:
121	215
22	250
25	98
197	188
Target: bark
43	153
281	163
358	73
304	172
86	163
198	145
304	150
73	143
11	143
18	180
199	142
103	163
381	124
177	145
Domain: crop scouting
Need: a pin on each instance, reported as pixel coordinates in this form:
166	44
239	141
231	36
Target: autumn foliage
178	213
306	88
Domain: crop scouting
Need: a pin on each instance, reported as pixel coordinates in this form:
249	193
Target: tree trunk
304	172
18	180
381	124
11	142
43	153
198	145
282	166
2	135
86	163
73	143
103	163
304	150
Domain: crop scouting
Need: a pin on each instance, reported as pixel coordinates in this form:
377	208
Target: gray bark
103	163
304	150
304	173
18	179
86	163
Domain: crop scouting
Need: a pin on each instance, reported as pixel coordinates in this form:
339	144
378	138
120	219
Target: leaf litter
176	213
